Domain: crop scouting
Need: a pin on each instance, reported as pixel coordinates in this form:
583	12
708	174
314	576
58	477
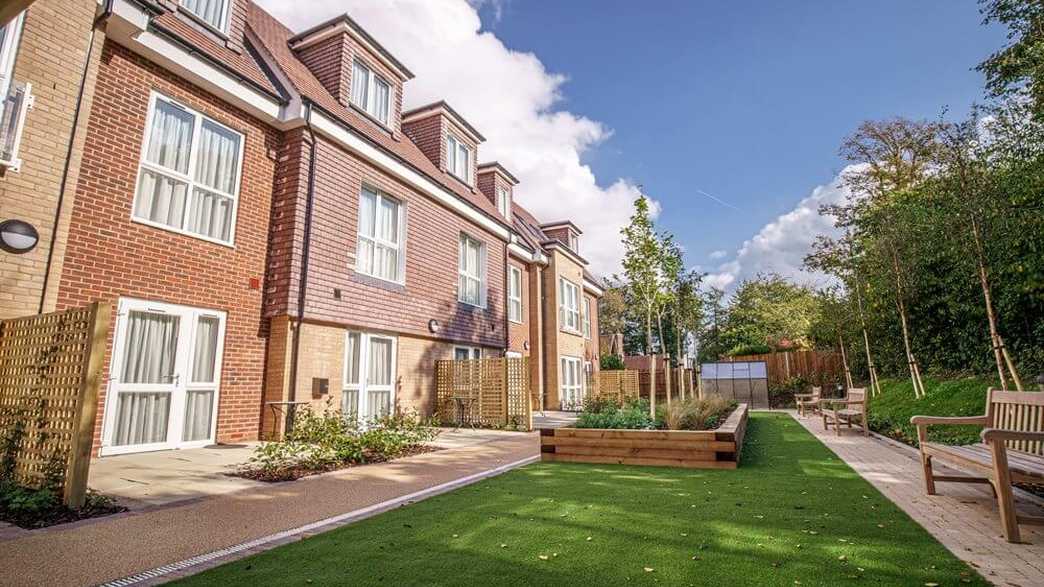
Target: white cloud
508	95
719	254
781	245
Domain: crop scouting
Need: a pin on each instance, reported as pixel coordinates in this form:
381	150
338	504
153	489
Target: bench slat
979	456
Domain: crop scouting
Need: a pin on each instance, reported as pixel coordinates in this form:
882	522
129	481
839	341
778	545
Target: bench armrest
988	435
927	420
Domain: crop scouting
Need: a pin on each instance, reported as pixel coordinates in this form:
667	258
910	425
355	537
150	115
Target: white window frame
372	77
400	246
454	148
578	389
222	28
569	313
473	352
462	273
8	51
504	202
574	242
586	316
188	317
515	296
363	387
189	177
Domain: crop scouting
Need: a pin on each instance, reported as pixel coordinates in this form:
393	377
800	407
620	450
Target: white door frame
581	381
363	386
188	318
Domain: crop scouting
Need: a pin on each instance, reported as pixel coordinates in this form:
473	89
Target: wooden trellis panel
50	371
495	392
620	385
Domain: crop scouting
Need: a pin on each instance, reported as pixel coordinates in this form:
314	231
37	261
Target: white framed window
368	391
382	234
568	305
514	294
370	92
504	202
212	12
189	175
458	158
466	353
471	288
587	317
571	383
574	242
9	35
16	98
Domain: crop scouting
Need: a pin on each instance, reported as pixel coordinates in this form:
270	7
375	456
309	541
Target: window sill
516	321
384	284
474	307
230	244
382	125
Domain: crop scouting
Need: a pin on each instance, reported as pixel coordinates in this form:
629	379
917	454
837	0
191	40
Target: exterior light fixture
433	326
18	236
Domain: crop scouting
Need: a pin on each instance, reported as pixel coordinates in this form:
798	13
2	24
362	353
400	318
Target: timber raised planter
693	449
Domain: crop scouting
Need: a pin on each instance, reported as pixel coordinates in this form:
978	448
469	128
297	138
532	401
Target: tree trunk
652	366
678	347
915	374
875	387
999	352
667	365
844	360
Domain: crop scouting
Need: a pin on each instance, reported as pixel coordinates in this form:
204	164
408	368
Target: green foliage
792	512
695	413
747	348
612	363
781	395
607	413
768	311
323	441
1019	67
890	412
29	507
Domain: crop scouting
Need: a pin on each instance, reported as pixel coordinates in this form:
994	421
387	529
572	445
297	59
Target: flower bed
329	441
698	449
31	508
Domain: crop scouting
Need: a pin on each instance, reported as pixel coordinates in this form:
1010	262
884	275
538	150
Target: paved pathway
105	549
962	516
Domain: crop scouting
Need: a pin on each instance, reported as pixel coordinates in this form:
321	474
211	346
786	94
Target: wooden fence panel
620	385
50	371
819	367
494	392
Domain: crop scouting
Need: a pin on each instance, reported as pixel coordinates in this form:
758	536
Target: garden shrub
609	413
781	395
612	363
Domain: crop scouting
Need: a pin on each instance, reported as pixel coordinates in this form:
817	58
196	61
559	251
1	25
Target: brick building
272	229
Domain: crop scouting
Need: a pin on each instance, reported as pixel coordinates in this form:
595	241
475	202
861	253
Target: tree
612	308
890	158
1017	69
769	310
688	309
671	266
641	264
710	346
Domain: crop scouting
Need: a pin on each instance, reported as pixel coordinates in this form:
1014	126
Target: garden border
693	449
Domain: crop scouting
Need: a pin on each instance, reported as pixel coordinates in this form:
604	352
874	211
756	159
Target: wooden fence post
87	406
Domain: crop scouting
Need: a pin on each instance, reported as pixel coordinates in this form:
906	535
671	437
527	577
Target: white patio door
166	367
369	376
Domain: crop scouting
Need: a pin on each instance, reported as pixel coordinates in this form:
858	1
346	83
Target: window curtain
380	106
141	418
360	84
149	348
367	225
199	413
380	374
211	11
161	198
217	165
386	264
205	352
350	393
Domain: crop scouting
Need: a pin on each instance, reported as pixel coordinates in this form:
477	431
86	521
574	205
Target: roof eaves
354	27
451	114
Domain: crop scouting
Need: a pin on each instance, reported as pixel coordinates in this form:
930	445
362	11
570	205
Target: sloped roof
275	36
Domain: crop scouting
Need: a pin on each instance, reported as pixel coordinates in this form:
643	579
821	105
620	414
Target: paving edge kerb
219	557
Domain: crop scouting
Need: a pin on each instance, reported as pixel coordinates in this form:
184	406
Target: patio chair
808	401
844	411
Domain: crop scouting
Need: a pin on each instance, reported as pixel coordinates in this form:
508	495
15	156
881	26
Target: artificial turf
792	514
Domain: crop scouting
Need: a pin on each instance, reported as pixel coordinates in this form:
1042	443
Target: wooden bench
1012	450
808	401
854	409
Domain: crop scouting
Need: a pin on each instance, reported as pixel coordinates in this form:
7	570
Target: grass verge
792	514
890	412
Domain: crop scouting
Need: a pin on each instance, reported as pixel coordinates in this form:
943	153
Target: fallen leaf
649	569
503	546
842	558
543	557
588	538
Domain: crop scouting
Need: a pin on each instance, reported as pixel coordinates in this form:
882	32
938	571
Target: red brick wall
562	234
426	133
109	256
518	333
330	62
489	181
432	240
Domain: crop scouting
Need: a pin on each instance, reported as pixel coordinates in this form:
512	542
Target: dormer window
574	242
458	159
504	202
214	13
370	92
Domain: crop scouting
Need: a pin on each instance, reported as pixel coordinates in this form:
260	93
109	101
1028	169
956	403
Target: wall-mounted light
18	236
525	345
433	326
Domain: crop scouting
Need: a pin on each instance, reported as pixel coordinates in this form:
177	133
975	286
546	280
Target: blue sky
745	100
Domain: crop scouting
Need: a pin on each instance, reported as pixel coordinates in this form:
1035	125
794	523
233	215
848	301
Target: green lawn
890	412
792	514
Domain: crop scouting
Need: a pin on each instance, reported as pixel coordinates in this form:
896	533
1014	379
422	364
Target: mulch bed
297	472
94	508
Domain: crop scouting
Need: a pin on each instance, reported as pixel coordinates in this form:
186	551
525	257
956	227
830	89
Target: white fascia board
128	26
593	287
349	140
527	255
